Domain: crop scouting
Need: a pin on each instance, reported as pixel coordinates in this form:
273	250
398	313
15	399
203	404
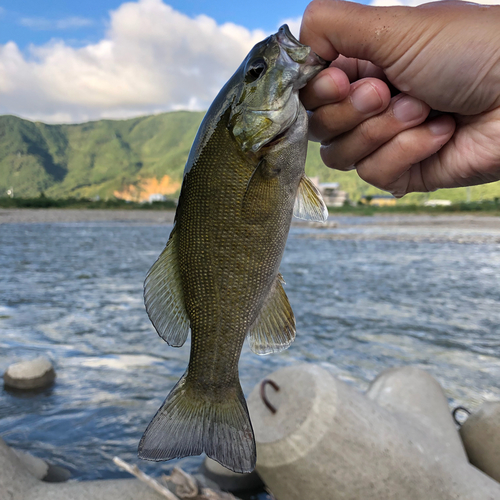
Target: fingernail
407	109
366	99
325	87
440	126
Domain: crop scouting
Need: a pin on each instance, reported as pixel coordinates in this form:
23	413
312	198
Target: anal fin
164	298
274	328
309	204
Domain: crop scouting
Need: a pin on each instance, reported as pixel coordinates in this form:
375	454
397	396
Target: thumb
444	53
381	35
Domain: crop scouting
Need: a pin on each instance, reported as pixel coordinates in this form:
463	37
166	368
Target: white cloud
41	23
152	59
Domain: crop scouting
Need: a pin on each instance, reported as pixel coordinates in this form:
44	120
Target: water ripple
363	303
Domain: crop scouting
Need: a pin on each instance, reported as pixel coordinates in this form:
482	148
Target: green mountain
95	158
126	157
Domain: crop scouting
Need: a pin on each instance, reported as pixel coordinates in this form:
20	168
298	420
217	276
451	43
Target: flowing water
367	296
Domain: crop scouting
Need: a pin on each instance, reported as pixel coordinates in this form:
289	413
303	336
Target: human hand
444	56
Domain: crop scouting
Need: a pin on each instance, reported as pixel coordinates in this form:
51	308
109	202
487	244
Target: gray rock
28	375
481	436
327	441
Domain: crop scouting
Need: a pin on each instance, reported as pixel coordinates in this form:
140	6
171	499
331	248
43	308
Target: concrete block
327	441
481	437
15	480
34	465
42	470
16	483
416	396
120	489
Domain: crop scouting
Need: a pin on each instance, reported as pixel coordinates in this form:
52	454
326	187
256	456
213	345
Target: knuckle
374	174
332	158
369	134
323	124
368	175
403	146
321	116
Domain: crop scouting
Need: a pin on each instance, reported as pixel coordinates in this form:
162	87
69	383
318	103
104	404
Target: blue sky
67	61
79	22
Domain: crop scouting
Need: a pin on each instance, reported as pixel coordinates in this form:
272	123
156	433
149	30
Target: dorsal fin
274	328
164	298
309	204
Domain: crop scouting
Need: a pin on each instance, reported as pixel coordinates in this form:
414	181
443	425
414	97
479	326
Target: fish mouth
284	35
298	52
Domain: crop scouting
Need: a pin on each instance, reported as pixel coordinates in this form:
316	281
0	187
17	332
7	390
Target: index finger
329	86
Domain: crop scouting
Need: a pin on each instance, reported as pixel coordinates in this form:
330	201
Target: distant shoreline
56	215
68	215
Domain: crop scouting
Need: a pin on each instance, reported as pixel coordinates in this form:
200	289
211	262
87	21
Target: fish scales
218	276
225	257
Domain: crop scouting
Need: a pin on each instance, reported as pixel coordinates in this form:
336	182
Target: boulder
28	375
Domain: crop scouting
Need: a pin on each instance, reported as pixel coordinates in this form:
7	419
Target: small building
437	203
332	195
157	197
379	200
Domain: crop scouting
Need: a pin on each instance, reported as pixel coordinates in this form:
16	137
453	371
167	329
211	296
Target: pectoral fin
261	195
309	204
274	328
164	298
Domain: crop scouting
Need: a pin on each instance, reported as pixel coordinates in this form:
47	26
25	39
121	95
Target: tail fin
190	423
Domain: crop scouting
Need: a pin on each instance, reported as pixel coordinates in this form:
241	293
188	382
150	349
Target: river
370	294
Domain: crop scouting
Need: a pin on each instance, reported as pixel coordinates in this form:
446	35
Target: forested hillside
134	158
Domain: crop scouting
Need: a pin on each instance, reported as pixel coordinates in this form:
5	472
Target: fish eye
255	70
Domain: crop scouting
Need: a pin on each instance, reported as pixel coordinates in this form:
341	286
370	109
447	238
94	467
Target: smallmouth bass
219	273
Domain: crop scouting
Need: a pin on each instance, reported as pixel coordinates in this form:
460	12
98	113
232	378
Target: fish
218	276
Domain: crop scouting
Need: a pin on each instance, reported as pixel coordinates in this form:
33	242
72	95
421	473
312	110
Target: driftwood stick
152	483
185	484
